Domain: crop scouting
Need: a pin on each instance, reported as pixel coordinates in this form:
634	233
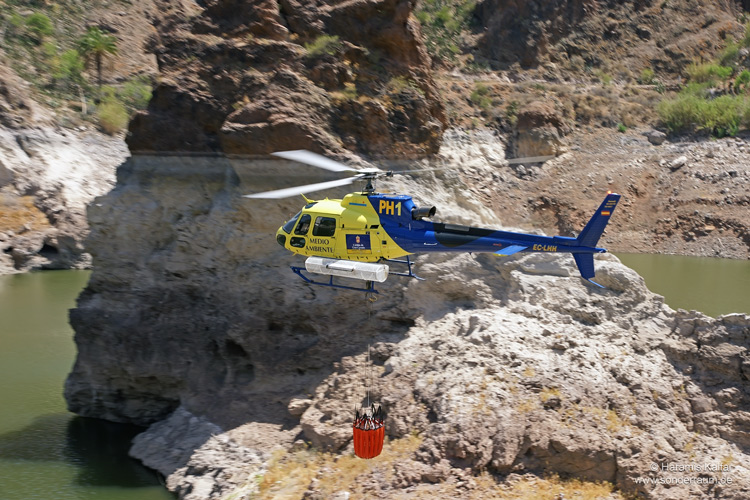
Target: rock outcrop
538	131
291	75
48	175
202	462
510	366
616	37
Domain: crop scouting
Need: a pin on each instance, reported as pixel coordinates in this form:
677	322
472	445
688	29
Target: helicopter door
323	239
303	226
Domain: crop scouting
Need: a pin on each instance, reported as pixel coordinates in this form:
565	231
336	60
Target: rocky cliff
612	36
48	174
266	75
509	366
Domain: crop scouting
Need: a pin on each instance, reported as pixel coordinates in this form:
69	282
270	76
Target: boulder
656	137
677	163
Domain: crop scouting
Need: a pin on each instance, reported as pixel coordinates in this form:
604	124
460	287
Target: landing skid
369	285
409	274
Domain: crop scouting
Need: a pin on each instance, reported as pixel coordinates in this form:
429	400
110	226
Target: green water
45	452
712	286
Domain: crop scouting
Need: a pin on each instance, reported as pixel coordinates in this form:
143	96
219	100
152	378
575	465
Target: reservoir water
47	453
711	286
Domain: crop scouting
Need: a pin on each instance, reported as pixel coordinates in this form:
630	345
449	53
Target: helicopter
362	234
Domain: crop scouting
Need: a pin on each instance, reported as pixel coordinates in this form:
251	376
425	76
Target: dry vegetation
19	214
308	473
484	102
290	474
533	488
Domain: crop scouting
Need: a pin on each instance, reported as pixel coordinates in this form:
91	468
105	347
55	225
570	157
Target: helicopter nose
281	238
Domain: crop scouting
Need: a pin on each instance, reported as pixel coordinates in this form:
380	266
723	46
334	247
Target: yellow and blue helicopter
359	235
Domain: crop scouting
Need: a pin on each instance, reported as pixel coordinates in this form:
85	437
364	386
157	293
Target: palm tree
96	44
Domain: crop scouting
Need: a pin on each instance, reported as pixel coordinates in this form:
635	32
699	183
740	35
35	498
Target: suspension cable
368	366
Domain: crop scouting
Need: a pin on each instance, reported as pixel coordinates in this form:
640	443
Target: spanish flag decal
605	213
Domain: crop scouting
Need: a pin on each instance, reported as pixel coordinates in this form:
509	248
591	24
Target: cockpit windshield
290	224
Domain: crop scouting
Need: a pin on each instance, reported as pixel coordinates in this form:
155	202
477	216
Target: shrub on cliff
324	44
480	96
708	102
117	103
442	23
112	115
742	81
38	26
710	73
67	70
720	116
647	77
136	93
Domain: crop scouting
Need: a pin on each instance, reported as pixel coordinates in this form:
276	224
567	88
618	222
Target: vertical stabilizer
590	235
595	227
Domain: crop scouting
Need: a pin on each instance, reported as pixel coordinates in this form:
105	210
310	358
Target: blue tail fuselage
417	236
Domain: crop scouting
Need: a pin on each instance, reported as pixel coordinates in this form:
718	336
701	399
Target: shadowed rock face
511	365
236	77
192	302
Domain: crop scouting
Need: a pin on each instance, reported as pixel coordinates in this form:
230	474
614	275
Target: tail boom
440	237
584	246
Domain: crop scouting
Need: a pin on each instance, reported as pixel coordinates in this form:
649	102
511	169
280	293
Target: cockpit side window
290	224
324	226
303	226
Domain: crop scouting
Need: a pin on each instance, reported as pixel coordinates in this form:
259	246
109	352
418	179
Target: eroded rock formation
286	75
47	177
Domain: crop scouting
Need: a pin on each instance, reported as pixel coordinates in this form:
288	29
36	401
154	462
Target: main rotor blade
308	188
530	159
314	159
420	170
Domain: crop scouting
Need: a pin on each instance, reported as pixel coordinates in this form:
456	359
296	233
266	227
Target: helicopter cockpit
298	228
290	223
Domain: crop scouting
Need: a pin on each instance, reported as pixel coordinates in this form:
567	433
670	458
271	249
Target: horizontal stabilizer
511	250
